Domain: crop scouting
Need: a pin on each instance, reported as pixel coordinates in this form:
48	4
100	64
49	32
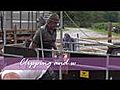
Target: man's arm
36	40
54	46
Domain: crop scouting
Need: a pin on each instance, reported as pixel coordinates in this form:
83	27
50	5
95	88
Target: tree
111	16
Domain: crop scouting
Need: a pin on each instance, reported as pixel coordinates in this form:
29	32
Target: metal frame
62	51
102	68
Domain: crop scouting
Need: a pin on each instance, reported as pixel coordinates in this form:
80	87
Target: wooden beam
109	32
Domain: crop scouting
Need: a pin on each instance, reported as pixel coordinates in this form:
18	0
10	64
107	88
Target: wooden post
4	25
78	42
109	32
15	32
11	19
20	18
32	20
1	17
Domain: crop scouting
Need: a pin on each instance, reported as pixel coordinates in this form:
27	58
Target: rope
106	44
41	44
76	25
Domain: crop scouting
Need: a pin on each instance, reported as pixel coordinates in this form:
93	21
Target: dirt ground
89	34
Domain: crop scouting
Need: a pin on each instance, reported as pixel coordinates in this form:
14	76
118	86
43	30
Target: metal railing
80	65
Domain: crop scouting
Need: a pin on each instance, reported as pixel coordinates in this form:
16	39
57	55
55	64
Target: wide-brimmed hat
54	17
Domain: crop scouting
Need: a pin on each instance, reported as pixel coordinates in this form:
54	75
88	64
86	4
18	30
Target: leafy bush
99	26
115	24
104	25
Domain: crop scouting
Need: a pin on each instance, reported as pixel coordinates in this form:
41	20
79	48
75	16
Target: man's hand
54	46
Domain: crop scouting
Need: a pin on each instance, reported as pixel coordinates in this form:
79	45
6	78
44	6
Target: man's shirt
48	38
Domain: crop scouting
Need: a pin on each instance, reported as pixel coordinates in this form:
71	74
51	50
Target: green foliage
102	28
99	26
115	24
103	25
111	16
81	18
87	18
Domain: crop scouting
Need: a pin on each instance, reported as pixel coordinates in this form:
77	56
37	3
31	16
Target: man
45	38
67	42
48	35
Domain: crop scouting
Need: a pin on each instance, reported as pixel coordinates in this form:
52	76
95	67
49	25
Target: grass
101	31
116	34
105	32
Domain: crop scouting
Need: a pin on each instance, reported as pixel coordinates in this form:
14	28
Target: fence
22	19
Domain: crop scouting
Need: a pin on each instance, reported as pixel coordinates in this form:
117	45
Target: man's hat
54	17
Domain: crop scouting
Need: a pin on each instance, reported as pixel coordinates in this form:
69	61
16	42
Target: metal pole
41	39
4	26
77	46
61	36
107	70
61	30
